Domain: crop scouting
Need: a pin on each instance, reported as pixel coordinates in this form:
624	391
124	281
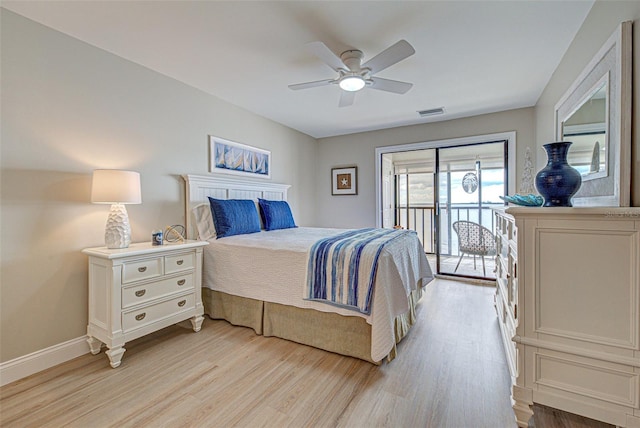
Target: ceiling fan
354	76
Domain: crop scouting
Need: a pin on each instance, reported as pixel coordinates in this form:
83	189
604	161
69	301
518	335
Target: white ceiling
472	57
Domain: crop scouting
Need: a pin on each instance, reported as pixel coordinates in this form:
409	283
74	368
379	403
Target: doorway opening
445	191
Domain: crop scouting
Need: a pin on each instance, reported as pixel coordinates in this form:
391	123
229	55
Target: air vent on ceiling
431	112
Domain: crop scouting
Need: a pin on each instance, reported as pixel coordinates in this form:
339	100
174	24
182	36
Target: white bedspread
272	266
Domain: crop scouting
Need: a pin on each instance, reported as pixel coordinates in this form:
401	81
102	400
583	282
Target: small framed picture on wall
344	181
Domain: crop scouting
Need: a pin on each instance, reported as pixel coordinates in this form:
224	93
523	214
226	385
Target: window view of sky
421	188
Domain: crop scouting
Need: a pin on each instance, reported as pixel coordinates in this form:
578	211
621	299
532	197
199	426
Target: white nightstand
137	290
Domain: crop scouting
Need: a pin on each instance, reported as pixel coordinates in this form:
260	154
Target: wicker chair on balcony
474	240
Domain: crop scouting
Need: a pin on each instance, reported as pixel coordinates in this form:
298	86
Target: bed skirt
350	336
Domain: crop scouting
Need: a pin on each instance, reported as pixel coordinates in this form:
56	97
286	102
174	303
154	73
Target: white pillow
204	222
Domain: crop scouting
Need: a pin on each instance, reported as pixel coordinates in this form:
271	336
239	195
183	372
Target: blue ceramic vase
558	181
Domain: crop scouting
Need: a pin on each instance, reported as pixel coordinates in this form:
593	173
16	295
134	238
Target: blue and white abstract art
235	158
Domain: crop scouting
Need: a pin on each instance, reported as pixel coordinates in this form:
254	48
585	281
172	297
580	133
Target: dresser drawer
141	269
147	315
179	262
559	373
132	296
503	251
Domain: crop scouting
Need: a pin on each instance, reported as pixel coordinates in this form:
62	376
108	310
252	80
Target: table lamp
117	188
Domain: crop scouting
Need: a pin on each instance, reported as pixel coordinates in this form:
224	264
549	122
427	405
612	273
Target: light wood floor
466	267
450	372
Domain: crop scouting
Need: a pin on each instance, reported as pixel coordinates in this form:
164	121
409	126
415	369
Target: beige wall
603	19
68	108
359	150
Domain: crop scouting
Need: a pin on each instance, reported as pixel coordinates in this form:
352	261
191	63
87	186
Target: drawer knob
181	303
141	316
181	282
179	262
140	293
142	269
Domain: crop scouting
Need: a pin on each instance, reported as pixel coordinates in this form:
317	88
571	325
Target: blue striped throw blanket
342	268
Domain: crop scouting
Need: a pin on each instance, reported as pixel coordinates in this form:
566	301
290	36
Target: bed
258	280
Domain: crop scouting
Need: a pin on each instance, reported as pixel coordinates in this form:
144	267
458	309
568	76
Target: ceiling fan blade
306	85
321	50
388	85
346	98
390	56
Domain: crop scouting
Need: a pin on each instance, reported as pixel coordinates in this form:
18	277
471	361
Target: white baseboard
41	360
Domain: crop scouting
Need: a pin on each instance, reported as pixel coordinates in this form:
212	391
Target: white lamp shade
111	186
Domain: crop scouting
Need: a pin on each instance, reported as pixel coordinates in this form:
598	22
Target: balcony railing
422	220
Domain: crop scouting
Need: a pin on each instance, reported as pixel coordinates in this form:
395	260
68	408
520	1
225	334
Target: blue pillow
276	214
234	216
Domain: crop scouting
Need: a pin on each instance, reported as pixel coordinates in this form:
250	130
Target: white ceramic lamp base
118	231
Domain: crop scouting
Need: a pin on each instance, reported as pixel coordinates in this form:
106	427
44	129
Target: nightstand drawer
143	316
142	269
179	263
144	293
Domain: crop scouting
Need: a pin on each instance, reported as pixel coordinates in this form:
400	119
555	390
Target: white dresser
568	301
137	290
506	298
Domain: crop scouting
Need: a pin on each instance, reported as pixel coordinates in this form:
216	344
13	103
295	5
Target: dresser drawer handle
179	262
141	316
142	269
140	293
181	282
181	303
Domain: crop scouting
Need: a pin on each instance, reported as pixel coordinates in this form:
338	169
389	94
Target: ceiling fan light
352	83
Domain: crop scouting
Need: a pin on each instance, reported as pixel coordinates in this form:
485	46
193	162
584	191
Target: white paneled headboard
199	187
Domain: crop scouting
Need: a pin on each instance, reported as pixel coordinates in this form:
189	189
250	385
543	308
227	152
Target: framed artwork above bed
229	157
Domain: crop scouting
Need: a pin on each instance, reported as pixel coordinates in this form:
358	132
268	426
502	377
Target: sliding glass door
445	193
470	180
414	195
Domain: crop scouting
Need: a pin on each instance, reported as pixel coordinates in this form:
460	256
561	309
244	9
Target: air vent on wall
431	112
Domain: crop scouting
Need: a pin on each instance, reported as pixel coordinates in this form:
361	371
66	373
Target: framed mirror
586	128
595	115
